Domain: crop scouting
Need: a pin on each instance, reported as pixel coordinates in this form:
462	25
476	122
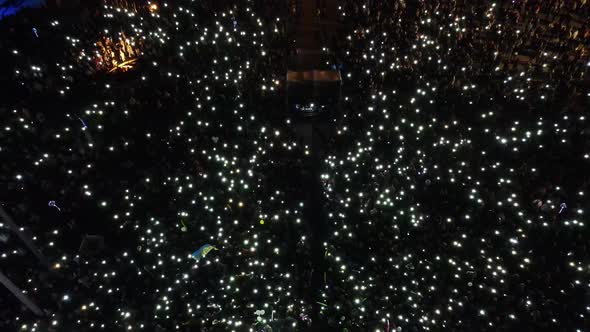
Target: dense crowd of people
456	186
452	196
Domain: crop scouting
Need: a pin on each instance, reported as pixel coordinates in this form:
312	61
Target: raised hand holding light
83	124
52	204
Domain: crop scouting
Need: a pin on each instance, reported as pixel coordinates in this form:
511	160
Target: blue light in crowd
11	7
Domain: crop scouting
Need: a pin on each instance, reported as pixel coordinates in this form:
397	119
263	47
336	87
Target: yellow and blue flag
203	251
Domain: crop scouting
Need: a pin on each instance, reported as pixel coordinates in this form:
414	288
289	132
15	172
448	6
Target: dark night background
441	185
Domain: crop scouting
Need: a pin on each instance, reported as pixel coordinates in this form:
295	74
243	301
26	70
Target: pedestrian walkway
311	34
